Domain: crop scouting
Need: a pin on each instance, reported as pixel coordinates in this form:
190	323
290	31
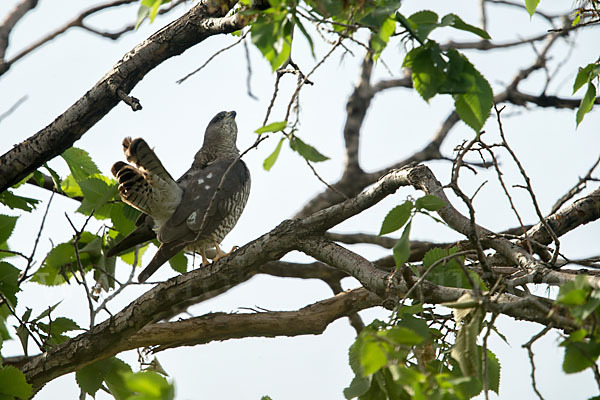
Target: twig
529	189
530	353
13	108
575	189
224	49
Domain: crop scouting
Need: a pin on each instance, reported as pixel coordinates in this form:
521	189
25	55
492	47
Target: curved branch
202	21
9	23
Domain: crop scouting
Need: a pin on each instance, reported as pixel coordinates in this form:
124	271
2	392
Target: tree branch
205	19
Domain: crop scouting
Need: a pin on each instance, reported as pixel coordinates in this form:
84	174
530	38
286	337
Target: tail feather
164	253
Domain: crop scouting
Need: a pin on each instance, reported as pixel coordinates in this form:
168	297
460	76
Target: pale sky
398	123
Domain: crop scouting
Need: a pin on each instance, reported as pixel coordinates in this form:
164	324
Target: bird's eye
218	117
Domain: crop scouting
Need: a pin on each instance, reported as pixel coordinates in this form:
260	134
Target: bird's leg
205	261
221	253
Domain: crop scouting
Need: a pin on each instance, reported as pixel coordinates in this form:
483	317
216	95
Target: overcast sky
398	123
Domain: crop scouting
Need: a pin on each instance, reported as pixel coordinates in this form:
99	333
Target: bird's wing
147	187
201	209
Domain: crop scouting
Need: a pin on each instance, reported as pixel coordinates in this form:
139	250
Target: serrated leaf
13	383
454	21
473	96
429	202
13	201
359	386
7	225
427	69
80	163
580	356
9	286
396	218
179	262
270	161
372	356
424	22
401	249
90	377
531	6
586	103
493	376
306	150
272	127
97	192
271	34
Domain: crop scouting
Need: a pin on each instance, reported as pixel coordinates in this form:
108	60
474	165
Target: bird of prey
196	211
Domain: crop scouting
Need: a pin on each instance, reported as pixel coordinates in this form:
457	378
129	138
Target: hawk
193	213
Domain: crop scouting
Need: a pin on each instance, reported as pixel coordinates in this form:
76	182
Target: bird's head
221	132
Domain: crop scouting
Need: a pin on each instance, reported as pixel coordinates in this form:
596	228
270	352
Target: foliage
410	356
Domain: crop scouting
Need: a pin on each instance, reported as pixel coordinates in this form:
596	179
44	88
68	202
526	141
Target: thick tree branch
204	20
310	320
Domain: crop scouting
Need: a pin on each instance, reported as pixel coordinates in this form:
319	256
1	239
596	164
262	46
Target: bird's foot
221	253
205	261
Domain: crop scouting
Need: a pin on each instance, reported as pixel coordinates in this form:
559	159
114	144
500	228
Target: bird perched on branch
196	211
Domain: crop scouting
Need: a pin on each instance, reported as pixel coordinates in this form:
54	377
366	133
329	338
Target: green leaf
493	376
454	21
424	22
179	262
449	273
98	191
90	377
586	103
13	201
9	277
56	329
129	258
80	163
531	6
70	187
270	161
120	217
306	150
585	75
13	383
372	355
580	355
7	225
23	335
403	336
401	249
271	34
473	105
380	40
427	68
429	202
150	384
142	14
272	127
359	386
396	218
465	350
